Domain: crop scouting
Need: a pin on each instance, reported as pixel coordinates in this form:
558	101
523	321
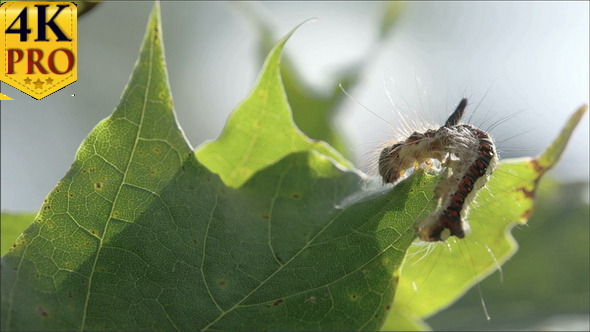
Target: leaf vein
129	162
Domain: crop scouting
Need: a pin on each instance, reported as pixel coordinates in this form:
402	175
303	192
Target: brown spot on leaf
387	307
538	168
46	207
98	185
41	311
527	193
527	214
277	302
296	196
353	296
265	216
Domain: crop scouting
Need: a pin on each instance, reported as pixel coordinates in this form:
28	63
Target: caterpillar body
467	156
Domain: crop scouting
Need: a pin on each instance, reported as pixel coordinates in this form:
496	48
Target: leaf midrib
150	44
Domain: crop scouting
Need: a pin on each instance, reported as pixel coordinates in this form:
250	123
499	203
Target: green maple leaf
140	235
262	229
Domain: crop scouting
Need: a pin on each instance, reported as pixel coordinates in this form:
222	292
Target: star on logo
49	81
38	84
28	80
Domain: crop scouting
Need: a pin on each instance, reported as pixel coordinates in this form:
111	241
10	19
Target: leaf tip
155	18
583	109
290	33
551	155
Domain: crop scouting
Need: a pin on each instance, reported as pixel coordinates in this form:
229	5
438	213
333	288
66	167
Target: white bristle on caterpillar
466	154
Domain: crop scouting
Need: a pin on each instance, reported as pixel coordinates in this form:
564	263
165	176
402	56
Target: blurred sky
531	56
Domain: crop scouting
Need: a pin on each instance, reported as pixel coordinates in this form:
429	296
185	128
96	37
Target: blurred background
525	65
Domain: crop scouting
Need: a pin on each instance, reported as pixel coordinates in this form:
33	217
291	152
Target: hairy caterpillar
466	154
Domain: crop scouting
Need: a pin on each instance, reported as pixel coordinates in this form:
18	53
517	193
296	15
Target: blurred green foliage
12	226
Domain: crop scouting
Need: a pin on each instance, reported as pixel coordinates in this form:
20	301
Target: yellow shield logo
39	46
